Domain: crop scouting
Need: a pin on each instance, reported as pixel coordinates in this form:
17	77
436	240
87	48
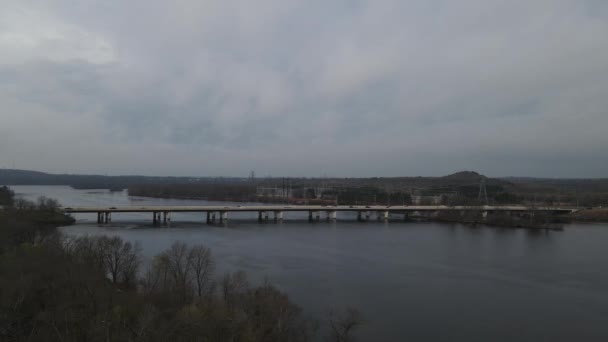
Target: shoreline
553	225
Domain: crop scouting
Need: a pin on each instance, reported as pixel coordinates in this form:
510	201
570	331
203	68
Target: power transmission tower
483	193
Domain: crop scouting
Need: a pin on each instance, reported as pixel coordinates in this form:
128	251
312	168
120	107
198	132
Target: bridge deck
286	208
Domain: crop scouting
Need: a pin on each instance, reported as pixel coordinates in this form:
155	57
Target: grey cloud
354	88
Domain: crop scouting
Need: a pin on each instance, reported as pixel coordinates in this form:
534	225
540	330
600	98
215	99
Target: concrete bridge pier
262	216
156	218
382	215
166	217
266	216
108	218
208	217
223	217
331	215
367	215
278	216
360	216
314	216
102	217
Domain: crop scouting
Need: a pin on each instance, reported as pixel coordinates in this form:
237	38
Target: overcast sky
306	87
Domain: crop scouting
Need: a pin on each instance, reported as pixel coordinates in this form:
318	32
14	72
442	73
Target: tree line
211	191
6	196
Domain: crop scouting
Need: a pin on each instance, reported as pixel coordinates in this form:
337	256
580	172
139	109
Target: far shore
599	215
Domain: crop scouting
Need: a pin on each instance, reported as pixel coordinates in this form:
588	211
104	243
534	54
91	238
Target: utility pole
483	193
284	190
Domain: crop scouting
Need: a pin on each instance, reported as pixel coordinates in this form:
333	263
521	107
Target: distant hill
26	177
467	179
464	176
18	177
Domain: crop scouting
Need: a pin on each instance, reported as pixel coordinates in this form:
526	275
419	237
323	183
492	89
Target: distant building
273	192
288	192
427	200
432	199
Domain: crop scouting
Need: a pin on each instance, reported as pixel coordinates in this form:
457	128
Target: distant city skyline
305	88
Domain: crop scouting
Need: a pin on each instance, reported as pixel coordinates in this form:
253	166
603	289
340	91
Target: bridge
162	214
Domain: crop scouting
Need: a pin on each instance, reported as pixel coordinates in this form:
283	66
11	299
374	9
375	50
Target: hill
27	177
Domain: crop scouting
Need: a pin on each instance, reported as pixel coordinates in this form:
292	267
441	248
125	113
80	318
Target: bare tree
202	266
273	316
47	204
233	285
157	278
23	204
180	267
84	250
120	259
343	325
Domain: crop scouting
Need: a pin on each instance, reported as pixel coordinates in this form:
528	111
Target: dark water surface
411	281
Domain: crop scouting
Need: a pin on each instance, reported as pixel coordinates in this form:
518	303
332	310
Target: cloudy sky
305	87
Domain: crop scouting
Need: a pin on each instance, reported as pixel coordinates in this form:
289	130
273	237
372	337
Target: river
411	281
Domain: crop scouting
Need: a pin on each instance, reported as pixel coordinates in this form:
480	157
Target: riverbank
521	224
590	215
54	219
597	215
